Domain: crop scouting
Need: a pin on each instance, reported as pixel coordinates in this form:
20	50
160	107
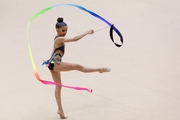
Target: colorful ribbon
112	27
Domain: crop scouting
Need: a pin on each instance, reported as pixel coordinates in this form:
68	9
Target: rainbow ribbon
112	27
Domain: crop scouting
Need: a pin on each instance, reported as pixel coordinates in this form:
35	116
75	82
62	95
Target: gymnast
56	65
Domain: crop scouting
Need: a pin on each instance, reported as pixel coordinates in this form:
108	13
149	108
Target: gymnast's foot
61	114
104	70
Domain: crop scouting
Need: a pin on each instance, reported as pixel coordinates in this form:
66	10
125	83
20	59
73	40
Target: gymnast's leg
57	78
64	66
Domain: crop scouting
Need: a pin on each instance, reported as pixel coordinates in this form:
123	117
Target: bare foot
61	114
104	70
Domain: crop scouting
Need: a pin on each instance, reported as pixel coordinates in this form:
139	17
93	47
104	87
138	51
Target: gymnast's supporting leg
63	66
57	78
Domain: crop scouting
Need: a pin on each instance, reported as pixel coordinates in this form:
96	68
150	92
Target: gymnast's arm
60	40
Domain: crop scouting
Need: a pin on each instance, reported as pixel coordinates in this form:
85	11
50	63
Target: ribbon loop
119	34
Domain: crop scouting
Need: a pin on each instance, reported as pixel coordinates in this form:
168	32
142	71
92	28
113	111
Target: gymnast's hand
90	31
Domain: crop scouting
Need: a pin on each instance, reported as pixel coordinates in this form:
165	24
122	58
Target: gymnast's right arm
60	40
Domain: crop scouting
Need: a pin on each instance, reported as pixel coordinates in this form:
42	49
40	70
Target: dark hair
60	23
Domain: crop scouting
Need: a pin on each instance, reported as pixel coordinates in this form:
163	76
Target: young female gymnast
56	65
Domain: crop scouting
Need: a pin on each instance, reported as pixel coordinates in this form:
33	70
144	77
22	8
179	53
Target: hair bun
60	19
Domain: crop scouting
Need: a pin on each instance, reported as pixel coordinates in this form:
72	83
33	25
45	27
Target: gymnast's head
61	27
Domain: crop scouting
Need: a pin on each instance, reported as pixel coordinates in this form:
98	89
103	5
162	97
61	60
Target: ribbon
112	27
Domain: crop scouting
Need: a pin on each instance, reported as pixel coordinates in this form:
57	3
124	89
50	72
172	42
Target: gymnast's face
62	31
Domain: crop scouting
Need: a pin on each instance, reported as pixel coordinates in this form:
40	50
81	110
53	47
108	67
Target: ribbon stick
112	27
101	18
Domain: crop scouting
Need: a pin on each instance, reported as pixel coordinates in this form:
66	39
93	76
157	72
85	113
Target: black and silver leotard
56	57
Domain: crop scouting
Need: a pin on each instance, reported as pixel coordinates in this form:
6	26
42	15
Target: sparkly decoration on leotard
112	27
